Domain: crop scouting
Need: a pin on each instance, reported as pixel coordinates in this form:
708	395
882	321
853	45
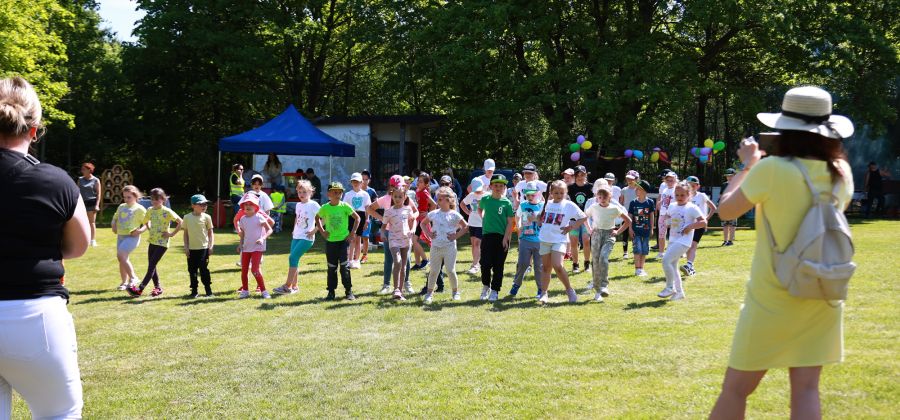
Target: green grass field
298	356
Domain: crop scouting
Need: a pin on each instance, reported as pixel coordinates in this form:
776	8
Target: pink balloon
628	153
575	156
580	139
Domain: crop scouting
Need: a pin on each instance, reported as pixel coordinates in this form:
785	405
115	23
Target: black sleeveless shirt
38	200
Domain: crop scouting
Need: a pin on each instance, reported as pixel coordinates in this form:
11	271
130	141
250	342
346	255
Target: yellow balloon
708	143
586	145
654	157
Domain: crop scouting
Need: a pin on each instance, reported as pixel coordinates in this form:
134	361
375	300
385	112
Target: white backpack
818	263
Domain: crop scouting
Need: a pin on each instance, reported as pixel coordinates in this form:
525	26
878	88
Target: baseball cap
356	176
730	171
580	168
489	165
498	179
670	173
693	179
531	187
598	183
198	199
569	171
336	186
517	176
446	179
631	175
477	185
397	181
255	176
644	185
609	176
529	167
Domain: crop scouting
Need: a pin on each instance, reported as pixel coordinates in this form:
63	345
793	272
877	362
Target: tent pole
330	168
219	190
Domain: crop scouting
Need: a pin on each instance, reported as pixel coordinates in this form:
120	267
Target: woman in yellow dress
777	330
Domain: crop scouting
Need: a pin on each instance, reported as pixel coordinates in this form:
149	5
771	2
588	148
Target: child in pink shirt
400	221
254	229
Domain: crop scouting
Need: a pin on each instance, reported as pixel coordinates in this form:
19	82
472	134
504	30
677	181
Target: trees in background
517	79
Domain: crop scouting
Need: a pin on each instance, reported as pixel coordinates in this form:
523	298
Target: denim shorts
548	247
127	243
641	245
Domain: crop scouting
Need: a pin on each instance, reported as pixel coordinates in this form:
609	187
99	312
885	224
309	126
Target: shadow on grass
105	299
225	270
88	292
648	304
188	301
652	280
149	299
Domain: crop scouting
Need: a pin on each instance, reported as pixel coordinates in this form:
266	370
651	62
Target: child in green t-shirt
497	224
331	221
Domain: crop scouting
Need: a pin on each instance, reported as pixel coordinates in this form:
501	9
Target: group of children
551	222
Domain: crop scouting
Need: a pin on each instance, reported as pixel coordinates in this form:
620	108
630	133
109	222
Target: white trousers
670	266
39	358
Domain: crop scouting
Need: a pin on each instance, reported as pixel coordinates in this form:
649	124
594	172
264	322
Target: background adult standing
236	188
91	193
316	183
874	187
775	329
274	170
38	356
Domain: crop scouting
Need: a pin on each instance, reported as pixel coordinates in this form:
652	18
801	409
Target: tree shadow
648	304
104	299
225	270
188	301
654	279
149	299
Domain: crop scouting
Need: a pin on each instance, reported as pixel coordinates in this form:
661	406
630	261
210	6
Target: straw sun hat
808	108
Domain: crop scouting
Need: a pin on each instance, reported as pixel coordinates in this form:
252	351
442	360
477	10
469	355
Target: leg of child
154	254
418	250
670	266
692	253
546	270
663	226
557	262
403	259
625	240
255	256
476	250
449	262
193	267
607	244
245	268
437	261
522	263
573	247
204	271
388	259
601	270
586	240
534	250
396	269
332	251
345	268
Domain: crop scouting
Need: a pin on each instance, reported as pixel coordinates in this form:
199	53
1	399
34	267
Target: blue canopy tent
287	134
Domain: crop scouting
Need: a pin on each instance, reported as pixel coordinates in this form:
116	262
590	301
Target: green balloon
574	147
719	145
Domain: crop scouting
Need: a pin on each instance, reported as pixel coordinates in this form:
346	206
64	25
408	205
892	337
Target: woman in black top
44	222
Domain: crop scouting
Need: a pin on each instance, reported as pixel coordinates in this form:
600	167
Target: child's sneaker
538	295
364	259
295	290
456	296
350	296
134	291
428	299
385	290
575	268
243	294
573	297
598	297
642	273
587	266
123	286
724	243
266	295
93	242
625	256
474	269
659	256
691	271
156	292
544	298
677	296
485	292
398	294
409	289
604	291
281	290
493	296
667	292
514	289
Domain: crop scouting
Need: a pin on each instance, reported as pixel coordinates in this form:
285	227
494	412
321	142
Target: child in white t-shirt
358	199
443	226
556	223
304	235
602	218
683	218
706	206
470	208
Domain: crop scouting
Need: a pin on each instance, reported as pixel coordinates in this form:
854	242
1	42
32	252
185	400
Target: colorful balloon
657	149
719	145
694	151
704	158
586	145
580	139
705	151
574	147
575	156
708	143
655	156
638	154
628	153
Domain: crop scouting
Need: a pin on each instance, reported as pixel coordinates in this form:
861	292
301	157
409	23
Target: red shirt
422	200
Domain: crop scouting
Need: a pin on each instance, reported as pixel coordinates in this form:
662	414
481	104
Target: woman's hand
749	152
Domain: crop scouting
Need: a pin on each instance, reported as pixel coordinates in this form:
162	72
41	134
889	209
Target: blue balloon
638	154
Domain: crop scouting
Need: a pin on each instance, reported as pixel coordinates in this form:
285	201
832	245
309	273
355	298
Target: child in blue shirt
641	211
528	215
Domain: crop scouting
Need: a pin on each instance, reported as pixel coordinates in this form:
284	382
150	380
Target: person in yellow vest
277	212
236	187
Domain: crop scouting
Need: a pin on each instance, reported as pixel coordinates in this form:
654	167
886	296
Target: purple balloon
575	156
694	151
580	139
628	153
705	151
657	149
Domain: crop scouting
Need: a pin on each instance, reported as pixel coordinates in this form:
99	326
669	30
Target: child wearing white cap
470	208
358	199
